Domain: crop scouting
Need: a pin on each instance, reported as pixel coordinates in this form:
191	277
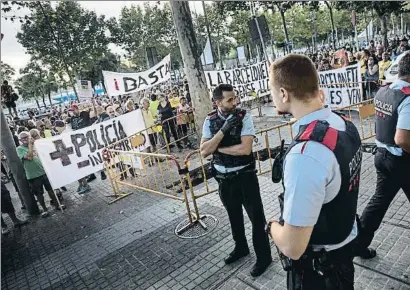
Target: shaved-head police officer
321	173
228	134
392	159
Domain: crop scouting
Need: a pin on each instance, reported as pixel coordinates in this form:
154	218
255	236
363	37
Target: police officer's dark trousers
333	270
242	189
392	175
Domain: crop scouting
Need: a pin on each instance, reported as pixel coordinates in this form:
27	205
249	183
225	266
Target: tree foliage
109	62
65	36
382	9
138	28
7	72
218	27
36	81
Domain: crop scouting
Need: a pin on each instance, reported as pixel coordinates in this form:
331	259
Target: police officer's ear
284	95
322	96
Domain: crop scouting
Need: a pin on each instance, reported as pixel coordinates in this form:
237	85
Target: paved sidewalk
131	245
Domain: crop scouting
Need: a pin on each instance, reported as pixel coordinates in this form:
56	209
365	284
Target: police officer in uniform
316	232
392	158
228	134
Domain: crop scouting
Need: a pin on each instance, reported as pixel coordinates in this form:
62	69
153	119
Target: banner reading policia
252	78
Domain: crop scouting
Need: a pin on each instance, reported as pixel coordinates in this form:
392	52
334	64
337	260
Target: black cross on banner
62	152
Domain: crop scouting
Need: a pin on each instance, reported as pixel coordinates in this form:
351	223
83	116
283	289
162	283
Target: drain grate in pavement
199	228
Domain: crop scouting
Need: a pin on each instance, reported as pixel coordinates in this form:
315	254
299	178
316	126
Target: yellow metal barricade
268	145
199	171
362	115
182	128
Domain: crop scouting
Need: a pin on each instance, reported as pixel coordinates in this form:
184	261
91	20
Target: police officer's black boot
260	267
236	254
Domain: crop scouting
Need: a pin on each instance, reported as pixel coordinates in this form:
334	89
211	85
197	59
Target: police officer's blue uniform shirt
312	178
247	130
403	121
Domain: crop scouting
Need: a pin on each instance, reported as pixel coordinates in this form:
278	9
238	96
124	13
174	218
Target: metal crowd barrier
365	112
171	125
163	175
155	173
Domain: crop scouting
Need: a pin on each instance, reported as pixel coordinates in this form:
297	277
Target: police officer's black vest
233	137
386	103
337	217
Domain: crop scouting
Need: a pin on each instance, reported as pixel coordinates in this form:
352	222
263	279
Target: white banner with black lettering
124	83
342	86
248	79
84	90
73	155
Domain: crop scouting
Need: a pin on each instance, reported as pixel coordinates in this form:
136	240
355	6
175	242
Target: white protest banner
73	155
245	79
84	90
124	83
342	86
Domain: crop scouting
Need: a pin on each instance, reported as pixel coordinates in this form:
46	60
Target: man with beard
228	135
316	231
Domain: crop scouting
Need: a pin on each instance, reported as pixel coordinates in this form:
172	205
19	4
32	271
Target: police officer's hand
231	123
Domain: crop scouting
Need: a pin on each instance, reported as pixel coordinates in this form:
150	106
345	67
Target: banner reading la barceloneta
73	155
246	79
124	83
342	86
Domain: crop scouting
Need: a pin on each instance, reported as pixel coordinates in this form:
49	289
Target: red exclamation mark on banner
116	85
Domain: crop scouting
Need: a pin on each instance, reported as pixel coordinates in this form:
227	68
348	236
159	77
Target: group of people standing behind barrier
170	112
318	233
374	61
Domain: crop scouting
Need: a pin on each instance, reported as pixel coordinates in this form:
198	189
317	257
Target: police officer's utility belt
404	156
248	169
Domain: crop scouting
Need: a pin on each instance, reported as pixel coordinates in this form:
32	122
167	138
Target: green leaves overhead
65	35
7	72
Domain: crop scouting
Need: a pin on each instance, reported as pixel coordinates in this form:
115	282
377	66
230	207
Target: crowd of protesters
374	61
167	114
168	106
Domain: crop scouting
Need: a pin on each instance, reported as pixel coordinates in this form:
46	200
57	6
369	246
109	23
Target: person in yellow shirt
153	105
149	122
384	65
174	100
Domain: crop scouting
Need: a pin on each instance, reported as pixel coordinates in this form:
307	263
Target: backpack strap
321	132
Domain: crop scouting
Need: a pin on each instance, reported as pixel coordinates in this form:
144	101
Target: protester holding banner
228	135
392	158
80	120
316	230
35	173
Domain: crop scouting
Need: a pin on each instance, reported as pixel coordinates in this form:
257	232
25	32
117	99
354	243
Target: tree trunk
38	104
44	101
193	68
333	24
383	26
49	98
16	167
285	29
